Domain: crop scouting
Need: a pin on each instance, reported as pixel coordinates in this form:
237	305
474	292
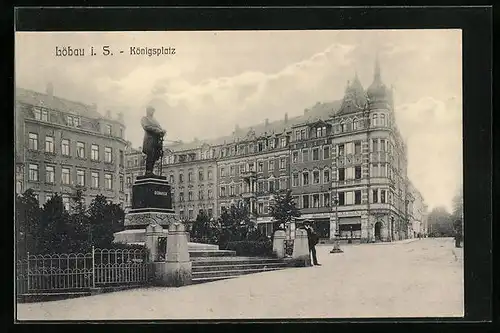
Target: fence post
28	270
93	267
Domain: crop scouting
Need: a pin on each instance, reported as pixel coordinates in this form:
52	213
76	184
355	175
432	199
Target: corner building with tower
345	162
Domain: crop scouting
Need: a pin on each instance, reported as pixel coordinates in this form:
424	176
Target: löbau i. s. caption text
108	51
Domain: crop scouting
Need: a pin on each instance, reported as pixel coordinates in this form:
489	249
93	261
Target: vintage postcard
188	175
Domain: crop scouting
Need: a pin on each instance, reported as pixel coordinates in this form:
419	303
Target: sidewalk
420	279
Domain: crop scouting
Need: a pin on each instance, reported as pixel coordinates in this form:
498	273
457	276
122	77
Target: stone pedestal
279	243
151	204
301	248
176	270
153	233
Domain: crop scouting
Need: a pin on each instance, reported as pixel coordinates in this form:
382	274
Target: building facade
62	146
345	162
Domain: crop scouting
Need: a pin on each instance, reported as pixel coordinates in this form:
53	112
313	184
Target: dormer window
342	127
45	115
37	113
108	129
69	120
355	124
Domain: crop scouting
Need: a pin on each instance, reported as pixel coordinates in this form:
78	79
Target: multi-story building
345	162
62	146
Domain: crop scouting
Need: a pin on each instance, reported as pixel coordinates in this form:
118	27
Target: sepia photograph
253	174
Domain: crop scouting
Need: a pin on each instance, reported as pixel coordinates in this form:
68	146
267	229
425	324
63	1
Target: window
49	144
210	212
210	194
260	186
33	172
305	178
76	121
33	141
108	129
382	120
357	147
305	201
122	185
65	176
326	152
80	177
37	113
65	147
375	196
282	183
375	145
95	179
295	181
122	158
108	181
190	196
271	165
357	172
261	208
19	187
80	150
297	136
222	172
271	186
315	200
181	178
231	190
295	157
305	155
200	175
383	144
209	174
190	176
326	200
316	177
326	176
200	194
341	150
355	124
260	167
50	174
181	196
283	142
341	198
69	120
222	191
357	197
303	134
315	154
382	196
282	163
341	174
190	214
349	200
342	127
108	154
95	153
375	120
66	203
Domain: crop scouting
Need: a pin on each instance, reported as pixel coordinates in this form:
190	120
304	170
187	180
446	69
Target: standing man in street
313	239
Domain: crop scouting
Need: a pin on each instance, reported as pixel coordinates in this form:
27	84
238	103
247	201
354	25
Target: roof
56	103
318	111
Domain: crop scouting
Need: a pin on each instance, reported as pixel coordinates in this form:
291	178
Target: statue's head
150	111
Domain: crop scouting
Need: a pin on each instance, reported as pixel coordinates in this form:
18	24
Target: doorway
378	228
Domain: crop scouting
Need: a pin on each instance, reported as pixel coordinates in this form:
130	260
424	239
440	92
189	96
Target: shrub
251	248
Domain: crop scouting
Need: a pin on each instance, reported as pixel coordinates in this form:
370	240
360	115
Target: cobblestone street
421	278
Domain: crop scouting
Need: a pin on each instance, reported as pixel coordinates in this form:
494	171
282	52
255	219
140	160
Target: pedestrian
313	239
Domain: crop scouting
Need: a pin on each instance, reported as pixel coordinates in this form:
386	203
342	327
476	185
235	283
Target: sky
217	79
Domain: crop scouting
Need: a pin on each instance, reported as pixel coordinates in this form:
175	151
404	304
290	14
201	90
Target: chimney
286	118
236	128
108	114
119	116
49	90
267	122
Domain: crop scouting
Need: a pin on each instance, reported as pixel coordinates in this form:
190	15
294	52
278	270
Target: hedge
251	248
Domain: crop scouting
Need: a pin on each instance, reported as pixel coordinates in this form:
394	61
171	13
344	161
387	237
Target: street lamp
336	245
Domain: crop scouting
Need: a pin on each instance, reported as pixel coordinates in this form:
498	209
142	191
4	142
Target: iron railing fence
77	272
288	244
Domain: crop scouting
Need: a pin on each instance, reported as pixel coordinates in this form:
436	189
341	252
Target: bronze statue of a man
152	145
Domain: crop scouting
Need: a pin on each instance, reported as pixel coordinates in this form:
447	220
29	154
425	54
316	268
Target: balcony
248	195
249	174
